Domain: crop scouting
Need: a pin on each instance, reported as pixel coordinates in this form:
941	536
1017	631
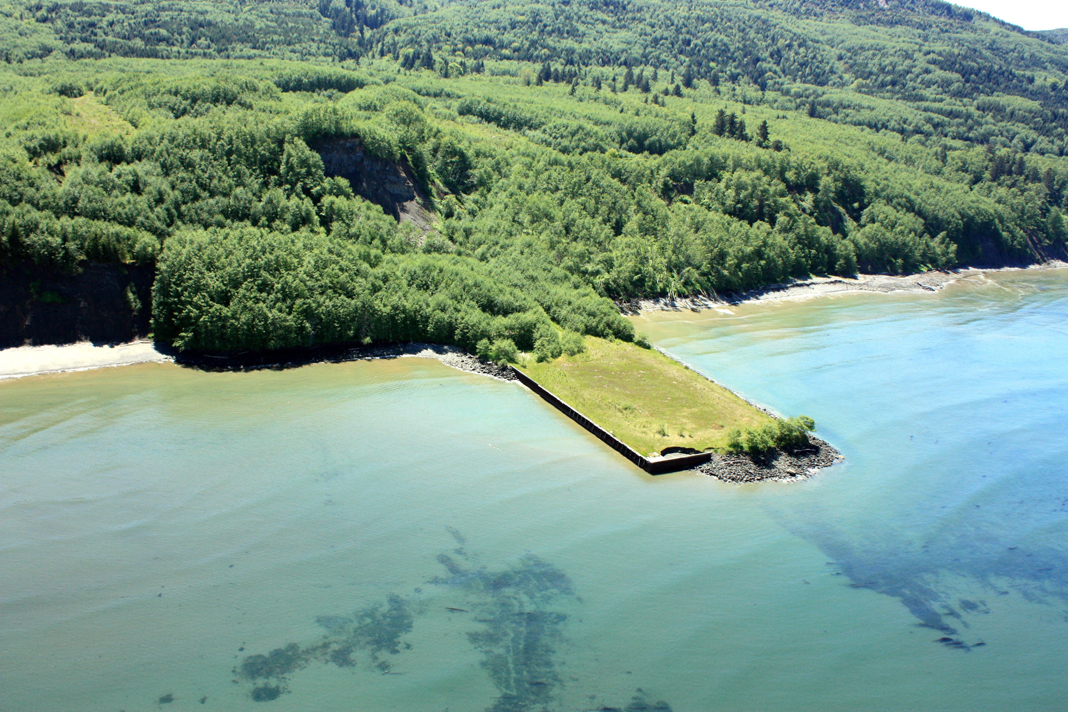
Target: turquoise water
402	536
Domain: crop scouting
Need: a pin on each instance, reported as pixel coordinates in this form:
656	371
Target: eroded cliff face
390	185
987	252
103	303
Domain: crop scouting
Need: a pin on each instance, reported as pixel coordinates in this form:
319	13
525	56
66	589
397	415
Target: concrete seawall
654	465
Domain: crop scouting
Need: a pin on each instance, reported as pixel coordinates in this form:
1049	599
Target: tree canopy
563	155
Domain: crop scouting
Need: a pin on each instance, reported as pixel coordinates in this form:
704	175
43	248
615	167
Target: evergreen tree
1056	227
687	77
719	124
762	134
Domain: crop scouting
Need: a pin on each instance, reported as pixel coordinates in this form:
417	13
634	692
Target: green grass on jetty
644	398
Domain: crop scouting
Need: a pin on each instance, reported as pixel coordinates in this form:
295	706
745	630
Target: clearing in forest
645	399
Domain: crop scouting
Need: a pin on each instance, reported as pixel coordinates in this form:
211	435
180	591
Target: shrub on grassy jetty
499	351
573	343
789	433
547	343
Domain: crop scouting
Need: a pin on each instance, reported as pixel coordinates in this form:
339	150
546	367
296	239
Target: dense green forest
1059	36
558	155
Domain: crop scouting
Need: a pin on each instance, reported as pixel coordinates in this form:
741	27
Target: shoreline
812	287
774	466
25	361
451	356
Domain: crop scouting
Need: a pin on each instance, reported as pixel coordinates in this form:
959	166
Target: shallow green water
424	539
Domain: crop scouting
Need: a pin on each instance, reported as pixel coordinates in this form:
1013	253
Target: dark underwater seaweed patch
519	629
518	649
266	693
376	630
334	623
278	663
451	566
457	535
642	703
916	576
379	629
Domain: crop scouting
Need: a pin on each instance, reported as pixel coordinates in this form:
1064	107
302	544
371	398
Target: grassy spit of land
645	399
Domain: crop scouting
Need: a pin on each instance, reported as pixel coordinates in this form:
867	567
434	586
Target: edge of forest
23	361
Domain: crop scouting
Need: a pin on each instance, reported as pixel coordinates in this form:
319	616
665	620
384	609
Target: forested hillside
1060	36
483	171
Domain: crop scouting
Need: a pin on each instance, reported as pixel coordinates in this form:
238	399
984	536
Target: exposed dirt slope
391	185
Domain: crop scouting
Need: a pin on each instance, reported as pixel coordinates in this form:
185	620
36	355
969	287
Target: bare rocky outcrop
386	183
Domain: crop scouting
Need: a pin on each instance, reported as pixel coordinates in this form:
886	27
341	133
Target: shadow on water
516	624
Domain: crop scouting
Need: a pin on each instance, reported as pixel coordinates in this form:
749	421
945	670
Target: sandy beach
929	282
36	360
